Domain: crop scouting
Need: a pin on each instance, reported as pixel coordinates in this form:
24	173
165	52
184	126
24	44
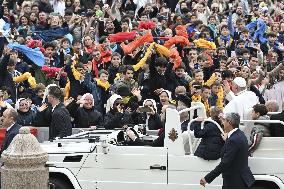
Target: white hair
82	100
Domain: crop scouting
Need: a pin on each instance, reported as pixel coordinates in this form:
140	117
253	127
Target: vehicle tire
56	183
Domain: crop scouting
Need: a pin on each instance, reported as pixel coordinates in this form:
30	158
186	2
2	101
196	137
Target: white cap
241	82
111	100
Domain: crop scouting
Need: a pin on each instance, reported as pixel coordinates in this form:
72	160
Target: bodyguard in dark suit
9	119
60	120
277	129
234	158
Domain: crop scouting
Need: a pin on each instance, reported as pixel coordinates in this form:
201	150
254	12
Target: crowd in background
120	62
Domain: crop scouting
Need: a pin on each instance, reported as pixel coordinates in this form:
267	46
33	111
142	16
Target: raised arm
258	80
276	70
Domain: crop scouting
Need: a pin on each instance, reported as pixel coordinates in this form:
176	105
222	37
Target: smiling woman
26	116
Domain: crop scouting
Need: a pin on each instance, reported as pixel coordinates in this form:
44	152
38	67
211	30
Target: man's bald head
272	106
12	113
9	117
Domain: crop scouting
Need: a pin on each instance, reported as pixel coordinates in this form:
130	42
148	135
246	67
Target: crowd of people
111	63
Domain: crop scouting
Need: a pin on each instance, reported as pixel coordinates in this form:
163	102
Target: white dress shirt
10	127
231	132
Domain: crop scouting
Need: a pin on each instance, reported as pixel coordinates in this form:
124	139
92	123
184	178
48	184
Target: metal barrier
273	113
43	132
262	121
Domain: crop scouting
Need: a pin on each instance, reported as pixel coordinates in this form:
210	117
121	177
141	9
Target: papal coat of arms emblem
173	135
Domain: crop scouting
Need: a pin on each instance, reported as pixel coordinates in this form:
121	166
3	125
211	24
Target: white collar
54	107
231	132
184	121
10	127
241	92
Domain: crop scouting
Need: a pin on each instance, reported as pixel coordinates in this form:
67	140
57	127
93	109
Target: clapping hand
68	101
42	107
119	109
136	92
128	110
158	91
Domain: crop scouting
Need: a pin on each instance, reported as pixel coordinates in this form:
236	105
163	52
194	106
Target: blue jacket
96	92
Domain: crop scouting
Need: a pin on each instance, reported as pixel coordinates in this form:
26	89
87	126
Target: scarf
206	105
226	39
196	98
104	85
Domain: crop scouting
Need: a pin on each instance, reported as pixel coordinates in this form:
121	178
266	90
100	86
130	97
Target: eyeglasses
25	104
97	54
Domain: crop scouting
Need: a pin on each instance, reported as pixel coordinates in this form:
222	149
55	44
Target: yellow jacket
24	77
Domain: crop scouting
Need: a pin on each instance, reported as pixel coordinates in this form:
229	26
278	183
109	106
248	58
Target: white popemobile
98	160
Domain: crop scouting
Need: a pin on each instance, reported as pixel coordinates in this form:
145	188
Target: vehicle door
132	166
136	167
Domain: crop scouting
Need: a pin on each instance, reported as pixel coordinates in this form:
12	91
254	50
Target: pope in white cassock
242	100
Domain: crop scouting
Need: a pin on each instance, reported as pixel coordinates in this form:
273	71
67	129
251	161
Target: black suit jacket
276	129
9	136
60	122
234	163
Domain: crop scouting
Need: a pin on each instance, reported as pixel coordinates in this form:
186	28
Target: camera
248	16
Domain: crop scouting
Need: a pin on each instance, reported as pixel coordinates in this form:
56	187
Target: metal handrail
202	124
190	109
263	121
273	113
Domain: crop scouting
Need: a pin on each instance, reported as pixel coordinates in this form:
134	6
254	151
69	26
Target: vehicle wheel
56	183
